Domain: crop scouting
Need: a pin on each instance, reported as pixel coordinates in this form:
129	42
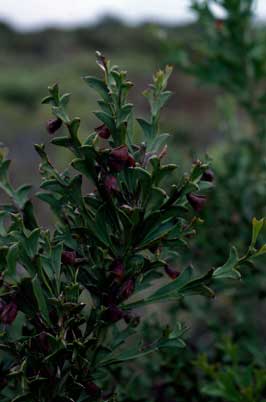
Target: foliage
231	56
234	381
173	375
69	295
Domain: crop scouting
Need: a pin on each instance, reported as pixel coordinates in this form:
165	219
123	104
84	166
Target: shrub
232	380
69	296
228	54
231	56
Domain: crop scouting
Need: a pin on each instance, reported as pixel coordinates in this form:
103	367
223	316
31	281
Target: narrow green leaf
39	294
65	99
56	263
256	228
48	99
106	119
32	243
160	231
21	195
260	252
73	127
99	86
11	260
147	129
60	112
62	141
229	269
175	285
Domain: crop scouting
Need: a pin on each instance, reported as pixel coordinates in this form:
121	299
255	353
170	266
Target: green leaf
172	338
260	252
60	112
229	269
54	90
32	243
11	260
156	199
147	129
198	286
142	180
158	232
156	94
3	216
65	99
105	107
54	186
165	171
48	99
51	200
176	289
171	291
21	195
120	336
174	286
89	152
75	189
99	86
85	167
39	294
4	166
256	229
4	183
73	127
101	228
28	216
124	113
134	352
158	142
157	104
107	120
56	263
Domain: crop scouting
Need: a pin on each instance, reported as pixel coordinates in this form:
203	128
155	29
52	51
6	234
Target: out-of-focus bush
227	54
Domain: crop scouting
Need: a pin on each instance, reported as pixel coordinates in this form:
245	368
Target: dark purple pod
2	305
92	389
68	257
118	158
110	296
208	175
3	381
131	161
103	131
111	184
219	24
9	313
197	201
53	125
126	289
43	343
113	313
118	270
171	272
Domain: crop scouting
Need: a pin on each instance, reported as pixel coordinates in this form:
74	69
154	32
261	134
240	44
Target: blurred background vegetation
31	61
